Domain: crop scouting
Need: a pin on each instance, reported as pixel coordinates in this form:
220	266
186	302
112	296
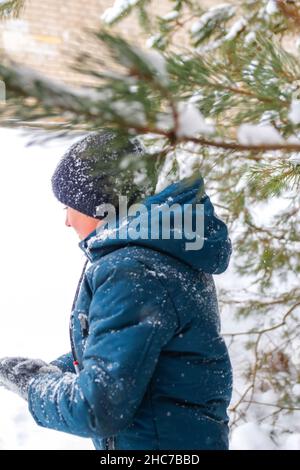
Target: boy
148	367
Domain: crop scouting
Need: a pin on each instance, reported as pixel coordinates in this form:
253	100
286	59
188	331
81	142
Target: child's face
81	223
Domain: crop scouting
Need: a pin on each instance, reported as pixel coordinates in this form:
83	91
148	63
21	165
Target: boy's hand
16	373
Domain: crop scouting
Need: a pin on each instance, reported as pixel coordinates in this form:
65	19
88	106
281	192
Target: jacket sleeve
131	318
64	362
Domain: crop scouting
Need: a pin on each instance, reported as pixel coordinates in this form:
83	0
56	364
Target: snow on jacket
154	369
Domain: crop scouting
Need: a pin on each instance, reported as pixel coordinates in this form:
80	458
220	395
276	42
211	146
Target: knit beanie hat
89	173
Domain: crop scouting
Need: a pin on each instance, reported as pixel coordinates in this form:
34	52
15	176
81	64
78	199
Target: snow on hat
89	173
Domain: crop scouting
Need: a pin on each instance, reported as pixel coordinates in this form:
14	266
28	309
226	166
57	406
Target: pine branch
11	8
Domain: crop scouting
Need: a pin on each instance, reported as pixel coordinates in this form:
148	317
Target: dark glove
16	373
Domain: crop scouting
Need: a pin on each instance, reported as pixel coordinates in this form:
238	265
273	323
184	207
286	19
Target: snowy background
40	266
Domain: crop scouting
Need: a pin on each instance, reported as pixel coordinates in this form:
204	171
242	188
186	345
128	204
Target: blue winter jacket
154	370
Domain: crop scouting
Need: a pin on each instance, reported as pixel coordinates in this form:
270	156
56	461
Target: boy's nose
67	221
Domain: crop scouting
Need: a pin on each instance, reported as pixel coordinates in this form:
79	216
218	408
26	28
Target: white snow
55	91
36	243
118	8
152	58
294	112
253	134
152	40
292	139
251	436
156	61
250	37
271	7
296	390
294	158
132	111
171	15
225	9
191	122
292	442
235	29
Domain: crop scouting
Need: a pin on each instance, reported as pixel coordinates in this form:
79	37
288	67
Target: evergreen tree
225	102
10	8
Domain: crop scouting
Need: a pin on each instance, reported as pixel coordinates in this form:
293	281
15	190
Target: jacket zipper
75	359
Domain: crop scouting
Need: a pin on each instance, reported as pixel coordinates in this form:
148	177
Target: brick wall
47	35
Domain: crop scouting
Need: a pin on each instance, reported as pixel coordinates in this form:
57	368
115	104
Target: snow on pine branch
191	122
294	112
265	134
156	61
233	32
25	81
209	20
120	7
235	29
255	134
134	58
271	7
171	15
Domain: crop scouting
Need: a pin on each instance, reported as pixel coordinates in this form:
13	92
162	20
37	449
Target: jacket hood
200	240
